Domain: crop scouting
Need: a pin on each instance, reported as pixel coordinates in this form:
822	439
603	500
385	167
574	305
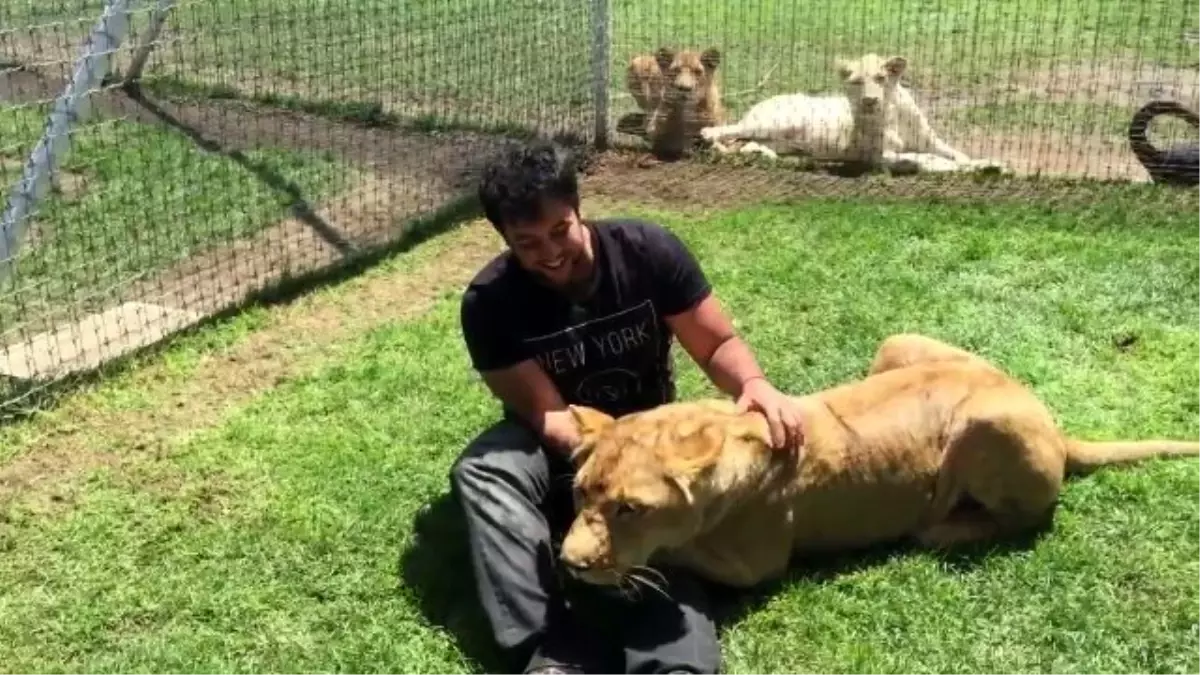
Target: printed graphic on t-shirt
605	362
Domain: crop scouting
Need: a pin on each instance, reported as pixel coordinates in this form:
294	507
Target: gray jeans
516	501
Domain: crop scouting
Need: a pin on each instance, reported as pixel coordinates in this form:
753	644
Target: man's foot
542	665
565	646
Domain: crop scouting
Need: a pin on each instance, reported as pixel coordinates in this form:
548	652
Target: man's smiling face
556	247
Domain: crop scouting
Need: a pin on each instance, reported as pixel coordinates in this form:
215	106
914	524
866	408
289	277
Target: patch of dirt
365	216
702	185
1056	153
83	434
51	47
1125	83
404	176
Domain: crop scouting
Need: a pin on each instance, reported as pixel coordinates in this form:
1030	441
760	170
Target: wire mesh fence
265	139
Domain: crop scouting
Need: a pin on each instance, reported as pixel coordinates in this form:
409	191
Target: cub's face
687	74
870	81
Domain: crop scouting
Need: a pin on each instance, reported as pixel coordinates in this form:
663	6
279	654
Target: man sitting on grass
582	311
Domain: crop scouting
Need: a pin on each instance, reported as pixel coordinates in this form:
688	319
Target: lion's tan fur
887	457
679	93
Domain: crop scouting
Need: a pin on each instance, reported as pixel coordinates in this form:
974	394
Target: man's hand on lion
782	412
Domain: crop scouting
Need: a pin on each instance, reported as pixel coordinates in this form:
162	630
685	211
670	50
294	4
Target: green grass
143	197
284	539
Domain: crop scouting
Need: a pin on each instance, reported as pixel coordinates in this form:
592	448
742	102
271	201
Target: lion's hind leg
908	349
1009	467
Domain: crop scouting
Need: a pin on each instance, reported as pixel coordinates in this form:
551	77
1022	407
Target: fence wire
266	139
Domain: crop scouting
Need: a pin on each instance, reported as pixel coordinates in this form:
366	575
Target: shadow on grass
435	567
22	399
299	207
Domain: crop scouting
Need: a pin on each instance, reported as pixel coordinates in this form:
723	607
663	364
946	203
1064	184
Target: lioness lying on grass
897	454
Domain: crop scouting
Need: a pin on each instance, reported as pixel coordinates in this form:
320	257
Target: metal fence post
71	106
601	62
158	16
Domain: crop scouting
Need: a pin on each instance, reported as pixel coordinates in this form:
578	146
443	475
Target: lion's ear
581	452
664	56
843	68
589	422
683	485
696	447
896	66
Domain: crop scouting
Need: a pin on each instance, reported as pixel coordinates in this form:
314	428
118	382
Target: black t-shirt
610	351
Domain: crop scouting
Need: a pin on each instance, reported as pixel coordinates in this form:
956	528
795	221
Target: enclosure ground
227	159
269	493
254	497
194	384
393	175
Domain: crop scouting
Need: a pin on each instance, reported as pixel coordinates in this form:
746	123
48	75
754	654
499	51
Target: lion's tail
1086	456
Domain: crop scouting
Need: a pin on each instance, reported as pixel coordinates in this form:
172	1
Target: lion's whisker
648	583
662	579
628	588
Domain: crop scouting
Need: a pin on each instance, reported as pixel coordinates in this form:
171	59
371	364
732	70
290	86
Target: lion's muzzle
585	552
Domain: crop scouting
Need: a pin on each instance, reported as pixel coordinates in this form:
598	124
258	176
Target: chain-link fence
265	139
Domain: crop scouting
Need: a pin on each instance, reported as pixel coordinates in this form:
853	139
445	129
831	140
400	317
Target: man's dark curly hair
516	186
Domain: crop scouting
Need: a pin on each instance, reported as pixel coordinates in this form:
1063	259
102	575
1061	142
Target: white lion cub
874	121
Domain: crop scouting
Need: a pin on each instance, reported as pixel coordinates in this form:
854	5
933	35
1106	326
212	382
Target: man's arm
514	378
695	317
708	336
526	389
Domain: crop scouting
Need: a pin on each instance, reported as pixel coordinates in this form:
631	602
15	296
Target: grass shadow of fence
435	567
299	207
23	398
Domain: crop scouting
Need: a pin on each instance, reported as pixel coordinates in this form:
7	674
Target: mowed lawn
286	538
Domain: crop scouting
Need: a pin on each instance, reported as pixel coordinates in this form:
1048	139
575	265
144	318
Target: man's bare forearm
732	365
527	391
558	431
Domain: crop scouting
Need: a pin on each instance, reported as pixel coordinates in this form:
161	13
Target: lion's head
870	81
688	75
644	481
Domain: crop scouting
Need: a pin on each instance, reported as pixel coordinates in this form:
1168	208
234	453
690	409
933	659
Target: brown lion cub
894	455
679	94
